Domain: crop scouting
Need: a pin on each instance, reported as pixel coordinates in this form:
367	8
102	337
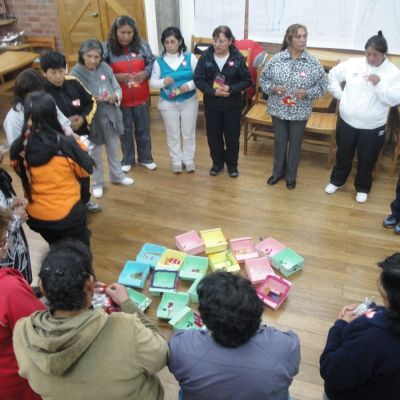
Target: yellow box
224	261
214	240
171	260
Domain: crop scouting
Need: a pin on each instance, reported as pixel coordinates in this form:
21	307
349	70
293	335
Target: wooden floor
340	240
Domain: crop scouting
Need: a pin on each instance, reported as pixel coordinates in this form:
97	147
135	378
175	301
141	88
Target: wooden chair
44	42
200	40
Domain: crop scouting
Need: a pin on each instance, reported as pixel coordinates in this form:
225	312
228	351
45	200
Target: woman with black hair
361	359
131	59
74	351
178	104
372	87
237	358
48	163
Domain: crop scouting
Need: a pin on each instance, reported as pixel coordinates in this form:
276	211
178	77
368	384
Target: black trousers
395	205
368	143
81	233
223	123
85	189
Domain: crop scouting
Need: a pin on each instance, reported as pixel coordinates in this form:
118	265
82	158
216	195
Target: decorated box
171	303
193	267
243	248
150	254
273	291
192	291
134	274
140	299
257	269
171	260
287	261
163	281
102	300
186	318
269	247
224	261
214	240
190	243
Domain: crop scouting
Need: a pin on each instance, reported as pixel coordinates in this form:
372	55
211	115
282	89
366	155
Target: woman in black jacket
222	75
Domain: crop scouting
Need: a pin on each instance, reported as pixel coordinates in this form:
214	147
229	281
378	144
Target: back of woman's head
291	31
123	20
378	43
26	82
176	33
230	308
64	273
390	283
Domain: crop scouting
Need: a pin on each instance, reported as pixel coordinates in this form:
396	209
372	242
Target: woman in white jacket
372	87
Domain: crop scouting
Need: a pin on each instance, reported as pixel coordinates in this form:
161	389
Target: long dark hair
176	33
115	47
390	283
290	32
378	43
226	31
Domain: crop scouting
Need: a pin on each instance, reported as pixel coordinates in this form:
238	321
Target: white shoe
190	166
331	188
361	197
98	192
151	166
126	181
126	168
177	168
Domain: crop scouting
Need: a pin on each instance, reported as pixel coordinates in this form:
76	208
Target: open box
214	240
269	247
171	260
224	261
273	291
287	261
134	274
163	281
193	267
192	291
186	318
140	299
150	254
257	269
243	248
171	303
190	243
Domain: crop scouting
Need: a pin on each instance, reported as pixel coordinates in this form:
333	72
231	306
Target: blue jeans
137	117
182	398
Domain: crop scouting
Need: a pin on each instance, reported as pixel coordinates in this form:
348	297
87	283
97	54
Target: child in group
98	78
74	101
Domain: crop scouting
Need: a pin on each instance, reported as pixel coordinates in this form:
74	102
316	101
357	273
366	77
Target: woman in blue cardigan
361	359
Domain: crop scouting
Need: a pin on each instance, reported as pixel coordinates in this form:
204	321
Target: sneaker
126	181
397	228
97	192
331	188
361	197
177	168
233	172
389	222
151	166
126	168
92	207
190	166
215	170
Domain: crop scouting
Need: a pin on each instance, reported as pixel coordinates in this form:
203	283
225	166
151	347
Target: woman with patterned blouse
293	79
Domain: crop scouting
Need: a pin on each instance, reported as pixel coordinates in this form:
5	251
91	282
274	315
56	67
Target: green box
187	319
192	291
171	303
287	262
193	267
140	299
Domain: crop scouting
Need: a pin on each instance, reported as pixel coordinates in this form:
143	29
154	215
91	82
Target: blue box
134	274
150	254
163	281
140	299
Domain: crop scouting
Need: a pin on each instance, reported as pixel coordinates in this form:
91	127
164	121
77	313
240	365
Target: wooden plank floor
340	240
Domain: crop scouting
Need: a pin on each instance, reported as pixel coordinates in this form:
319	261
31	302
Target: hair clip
59	272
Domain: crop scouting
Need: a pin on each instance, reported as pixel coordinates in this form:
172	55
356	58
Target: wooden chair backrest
47	42
200	40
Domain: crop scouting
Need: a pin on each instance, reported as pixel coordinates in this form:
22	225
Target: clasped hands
298	93
169	81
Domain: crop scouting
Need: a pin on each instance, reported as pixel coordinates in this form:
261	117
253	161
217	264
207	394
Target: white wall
151	22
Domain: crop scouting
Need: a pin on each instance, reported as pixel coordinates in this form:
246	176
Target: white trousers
180	119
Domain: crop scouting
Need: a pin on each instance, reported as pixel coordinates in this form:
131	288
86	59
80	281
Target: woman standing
98	78
293	79
222	75
173	74
131	59
372	87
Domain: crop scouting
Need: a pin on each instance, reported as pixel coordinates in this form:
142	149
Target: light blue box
150	254
134	274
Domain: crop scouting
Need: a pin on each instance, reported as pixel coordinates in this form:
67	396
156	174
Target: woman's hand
300	94
140	76
123	78
118	293
347	313
19	209
374	79
168	81
221	93
184	88
113	98
278	89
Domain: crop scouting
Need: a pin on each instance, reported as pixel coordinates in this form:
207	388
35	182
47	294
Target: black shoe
233	172
291	184
215	170
390	221
272	180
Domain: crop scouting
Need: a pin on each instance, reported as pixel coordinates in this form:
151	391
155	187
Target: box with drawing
134	274
193	267
287	261
224	261
163	281
171	260
190	243
150	254
186	318
269	247
243	248
273	291
171	303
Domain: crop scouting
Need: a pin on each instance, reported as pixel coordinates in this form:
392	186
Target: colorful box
102	300
193	267
134	274
273	291
163	281
150	254
190	243
287	261
269	247
224	261
243	248
186	318
192	291
214	240
171	260
171	303
257	269
140	299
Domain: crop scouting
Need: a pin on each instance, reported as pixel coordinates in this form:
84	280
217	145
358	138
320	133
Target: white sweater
362	104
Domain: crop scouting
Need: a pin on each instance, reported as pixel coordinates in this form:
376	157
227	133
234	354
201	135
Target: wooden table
11	61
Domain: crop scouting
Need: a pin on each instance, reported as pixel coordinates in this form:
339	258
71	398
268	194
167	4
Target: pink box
243	248
269	247
190	243
273	291
257	269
